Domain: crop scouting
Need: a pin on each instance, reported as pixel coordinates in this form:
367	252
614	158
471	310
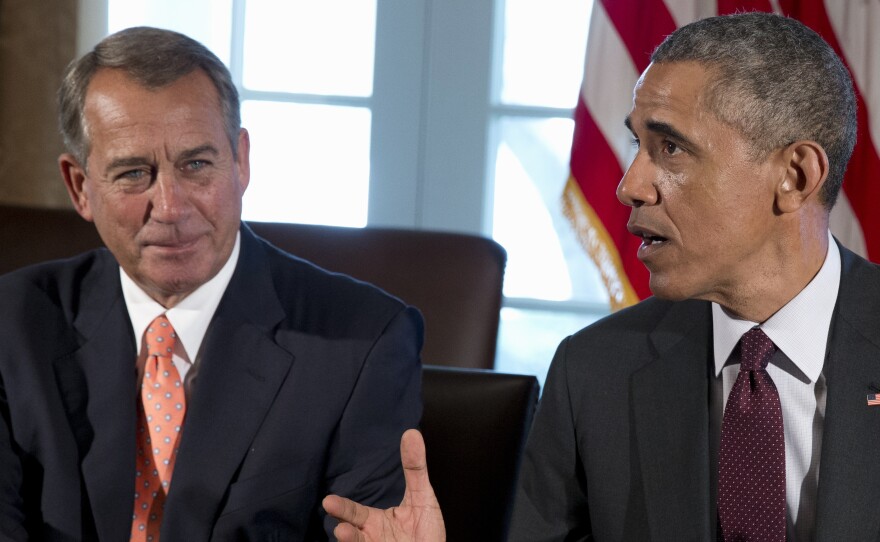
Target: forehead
673	91
113	96
121	116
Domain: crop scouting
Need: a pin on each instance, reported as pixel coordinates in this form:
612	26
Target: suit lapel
848	493
670	406
241	370
97	384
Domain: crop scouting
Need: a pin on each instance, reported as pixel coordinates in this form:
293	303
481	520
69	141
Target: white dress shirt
190	318
800	331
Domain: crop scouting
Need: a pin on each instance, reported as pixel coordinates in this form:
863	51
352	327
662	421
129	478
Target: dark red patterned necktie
751	463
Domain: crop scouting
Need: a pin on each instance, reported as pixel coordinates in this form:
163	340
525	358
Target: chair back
454	279
475	425
30	235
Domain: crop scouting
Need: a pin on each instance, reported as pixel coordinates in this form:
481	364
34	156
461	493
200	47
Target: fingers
346	510
351	518
345	532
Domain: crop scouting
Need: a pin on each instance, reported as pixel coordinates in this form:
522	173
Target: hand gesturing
417	519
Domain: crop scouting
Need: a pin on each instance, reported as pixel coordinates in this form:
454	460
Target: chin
669	290
181	282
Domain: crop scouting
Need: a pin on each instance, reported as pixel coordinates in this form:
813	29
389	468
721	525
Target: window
303	110
551	287
438	114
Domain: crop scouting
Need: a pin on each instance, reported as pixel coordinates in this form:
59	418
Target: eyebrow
128	161
663	128
202	149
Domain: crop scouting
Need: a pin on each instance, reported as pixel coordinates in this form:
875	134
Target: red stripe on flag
641	25
861	186
860	183
595	168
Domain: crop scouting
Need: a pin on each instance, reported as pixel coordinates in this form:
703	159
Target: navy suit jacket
306	382
619	449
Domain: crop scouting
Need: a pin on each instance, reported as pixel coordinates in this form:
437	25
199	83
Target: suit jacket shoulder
848	465
343	299
619	442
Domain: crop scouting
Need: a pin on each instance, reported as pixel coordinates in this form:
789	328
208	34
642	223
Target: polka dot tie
751	463
160	417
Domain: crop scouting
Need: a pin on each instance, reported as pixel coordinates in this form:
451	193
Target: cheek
671	182
220	205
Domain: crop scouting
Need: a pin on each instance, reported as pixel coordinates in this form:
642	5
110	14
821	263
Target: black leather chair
454	279
475	425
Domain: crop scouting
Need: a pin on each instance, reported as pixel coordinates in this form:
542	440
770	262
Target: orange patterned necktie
160	418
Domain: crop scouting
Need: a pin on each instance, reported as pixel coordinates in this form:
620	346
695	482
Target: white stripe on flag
610	76
857	27
846	227
688	11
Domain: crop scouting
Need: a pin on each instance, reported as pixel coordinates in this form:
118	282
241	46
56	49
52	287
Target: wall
37	40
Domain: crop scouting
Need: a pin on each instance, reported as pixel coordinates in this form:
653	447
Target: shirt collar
799	329
191	317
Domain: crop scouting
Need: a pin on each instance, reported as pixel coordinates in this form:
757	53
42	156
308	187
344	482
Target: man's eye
133	175
671	148
195	165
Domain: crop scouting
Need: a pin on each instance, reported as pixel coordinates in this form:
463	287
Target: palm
417	519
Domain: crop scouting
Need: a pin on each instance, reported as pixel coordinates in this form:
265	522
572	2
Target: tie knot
756	349
160	337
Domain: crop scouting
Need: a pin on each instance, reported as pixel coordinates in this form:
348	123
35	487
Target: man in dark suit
733	405
294	381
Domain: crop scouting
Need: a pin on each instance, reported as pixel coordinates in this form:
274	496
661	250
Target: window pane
309	163
527	338
543	51
545	260
207	21
310	47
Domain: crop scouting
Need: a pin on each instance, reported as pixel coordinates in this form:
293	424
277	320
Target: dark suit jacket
307	381
620	445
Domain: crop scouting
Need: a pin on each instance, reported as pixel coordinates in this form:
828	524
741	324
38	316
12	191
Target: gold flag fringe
594	238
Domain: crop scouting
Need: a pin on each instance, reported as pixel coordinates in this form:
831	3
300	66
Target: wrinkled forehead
673	89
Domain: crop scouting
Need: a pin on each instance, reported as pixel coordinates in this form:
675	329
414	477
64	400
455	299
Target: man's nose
637	188
169	198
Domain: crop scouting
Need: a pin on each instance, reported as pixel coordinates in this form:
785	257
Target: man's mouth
171	245
648	237
649	240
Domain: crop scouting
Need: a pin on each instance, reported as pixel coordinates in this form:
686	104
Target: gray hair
153	58
776	81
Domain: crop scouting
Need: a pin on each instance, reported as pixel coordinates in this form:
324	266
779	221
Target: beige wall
37	40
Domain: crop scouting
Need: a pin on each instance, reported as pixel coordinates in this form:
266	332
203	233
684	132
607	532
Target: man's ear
805	170
74	176
243	159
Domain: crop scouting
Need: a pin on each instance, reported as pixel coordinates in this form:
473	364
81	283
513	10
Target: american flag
623	33
873	399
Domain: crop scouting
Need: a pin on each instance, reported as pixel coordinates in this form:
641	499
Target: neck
777	280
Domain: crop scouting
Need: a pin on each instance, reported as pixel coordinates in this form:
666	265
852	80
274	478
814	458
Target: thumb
415	466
